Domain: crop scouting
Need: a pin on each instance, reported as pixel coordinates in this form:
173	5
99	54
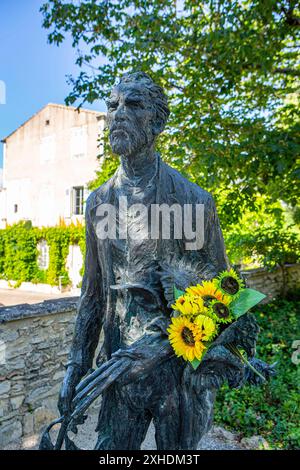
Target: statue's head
137	113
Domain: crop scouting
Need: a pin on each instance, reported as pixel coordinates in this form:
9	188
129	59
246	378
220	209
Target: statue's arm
88	322
89	311
214	247
196	266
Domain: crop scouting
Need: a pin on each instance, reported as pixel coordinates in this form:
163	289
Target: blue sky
34	72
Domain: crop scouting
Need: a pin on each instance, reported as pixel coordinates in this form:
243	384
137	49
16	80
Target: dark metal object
127	290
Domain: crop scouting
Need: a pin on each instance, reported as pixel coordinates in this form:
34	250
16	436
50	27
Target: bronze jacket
97	304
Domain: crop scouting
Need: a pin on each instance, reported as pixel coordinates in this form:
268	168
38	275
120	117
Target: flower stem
238	354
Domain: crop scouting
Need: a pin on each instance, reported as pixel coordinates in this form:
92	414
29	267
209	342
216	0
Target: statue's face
130	119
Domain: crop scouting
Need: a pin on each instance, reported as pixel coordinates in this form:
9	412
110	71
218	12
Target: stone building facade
47	164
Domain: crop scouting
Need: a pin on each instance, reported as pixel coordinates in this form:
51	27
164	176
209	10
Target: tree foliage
231	71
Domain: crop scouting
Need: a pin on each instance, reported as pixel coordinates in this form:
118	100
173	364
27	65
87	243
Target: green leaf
178	293
195	363
247	299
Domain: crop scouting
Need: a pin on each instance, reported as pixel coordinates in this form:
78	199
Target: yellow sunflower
220	311
188	305
194	290
208	292
229	283
207	325
185	338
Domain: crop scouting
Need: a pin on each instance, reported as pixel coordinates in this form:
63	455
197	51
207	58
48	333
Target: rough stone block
28	426
16	402
10	432
41	417
4	387
255	443
4	407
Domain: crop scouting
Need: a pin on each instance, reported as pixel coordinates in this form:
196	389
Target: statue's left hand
144	356
125	366
242	334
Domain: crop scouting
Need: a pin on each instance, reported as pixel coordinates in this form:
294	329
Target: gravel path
217	439
9	297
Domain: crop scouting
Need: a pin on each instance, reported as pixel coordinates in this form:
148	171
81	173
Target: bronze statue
127	290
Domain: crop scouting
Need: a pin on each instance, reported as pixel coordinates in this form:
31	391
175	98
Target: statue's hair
159	99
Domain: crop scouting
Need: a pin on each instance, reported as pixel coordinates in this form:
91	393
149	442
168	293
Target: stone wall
273	283
34	345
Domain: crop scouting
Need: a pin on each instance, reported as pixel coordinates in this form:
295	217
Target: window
79	142
43	256
45	206
47	122
77	200
15	208
47	148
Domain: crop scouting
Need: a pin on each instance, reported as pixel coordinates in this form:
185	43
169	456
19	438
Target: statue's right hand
67	390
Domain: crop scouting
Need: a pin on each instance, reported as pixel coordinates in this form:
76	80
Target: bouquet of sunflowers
202	311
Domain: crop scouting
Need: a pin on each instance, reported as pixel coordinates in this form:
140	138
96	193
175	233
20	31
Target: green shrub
271	410
19	252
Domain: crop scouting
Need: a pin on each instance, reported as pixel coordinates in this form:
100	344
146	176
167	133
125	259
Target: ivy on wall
19	252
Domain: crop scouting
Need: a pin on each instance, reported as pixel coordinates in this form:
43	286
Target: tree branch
287	71
290	18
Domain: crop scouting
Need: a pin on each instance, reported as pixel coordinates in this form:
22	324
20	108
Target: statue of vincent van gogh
127	292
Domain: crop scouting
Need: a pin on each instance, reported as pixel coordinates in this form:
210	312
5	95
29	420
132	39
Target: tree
231	71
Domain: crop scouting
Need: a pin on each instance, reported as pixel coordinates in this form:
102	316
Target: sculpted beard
125	140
